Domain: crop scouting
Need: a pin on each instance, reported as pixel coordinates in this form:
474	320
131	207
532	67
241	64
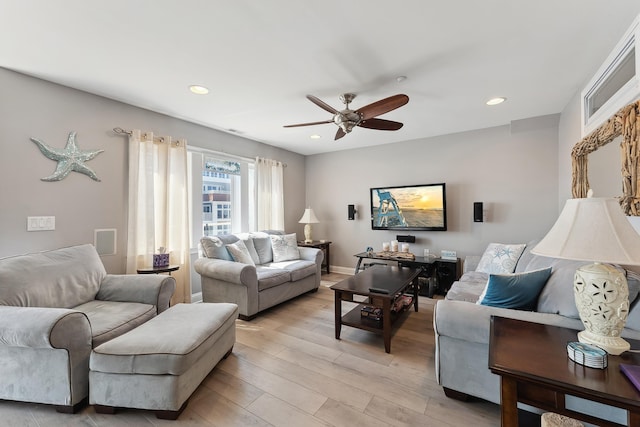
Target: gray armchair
55	306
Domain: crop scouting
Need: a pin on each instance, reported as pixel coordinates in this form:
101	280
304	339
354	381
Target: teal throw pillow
518	291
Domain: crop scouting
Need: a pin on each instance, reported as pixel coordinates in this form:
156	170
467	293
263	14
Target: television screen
409	207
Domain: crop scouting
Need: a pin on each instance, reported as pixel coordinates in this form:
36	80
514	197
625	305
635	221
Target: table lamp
595	229
308	218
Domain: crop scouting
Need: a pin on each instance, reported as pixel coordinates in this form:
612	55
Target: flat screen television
409	207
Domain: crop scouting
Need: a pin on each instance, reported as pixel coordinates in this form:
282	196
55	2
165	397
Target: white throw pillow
240	253
285	248
500	259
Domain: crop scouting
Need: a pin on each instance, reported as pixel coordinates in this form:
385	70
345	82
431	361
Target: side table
531	360
324	247
158	270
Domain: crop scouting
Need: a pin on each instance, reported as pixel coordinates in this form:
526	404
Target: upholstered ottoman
159	364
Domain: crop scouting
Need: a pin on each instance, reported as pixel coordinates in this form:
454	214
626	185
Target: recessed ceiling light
496	101
198	90
316	136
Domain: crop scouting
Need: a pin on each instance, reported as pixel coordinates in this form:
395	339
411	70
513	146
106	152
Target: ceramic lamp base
602	299
307	233
612	345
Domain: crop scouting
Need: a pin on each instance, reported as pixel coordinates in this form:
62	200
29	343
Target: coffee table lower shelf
354	319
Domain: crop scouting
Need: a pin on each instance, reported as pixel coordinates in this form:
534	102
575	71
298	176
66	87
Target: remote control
379	290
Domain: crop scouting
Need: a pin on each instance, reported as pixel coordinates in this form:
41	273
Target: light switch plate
41	223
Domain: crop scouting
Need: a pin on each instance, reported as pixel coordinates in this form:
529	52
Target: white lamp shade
592	229
308	217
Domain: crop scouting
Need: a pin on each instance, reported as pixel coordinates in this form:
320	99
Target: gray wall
31	107
512	169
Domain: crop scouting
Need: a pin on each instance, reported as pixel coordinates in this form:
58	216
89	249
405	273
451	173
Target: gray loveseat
272	270
462	328
55	306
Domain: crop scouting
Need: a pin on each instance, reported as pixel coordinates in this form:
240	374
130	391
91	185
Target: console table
324	247
531	360
446	271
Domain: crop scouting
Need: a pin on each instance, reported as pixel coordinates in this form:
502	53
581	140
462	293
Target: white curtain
270	194
159	206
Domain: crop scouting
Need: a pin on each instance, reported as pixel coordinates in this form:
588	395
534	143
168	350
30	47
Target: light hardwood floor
287	369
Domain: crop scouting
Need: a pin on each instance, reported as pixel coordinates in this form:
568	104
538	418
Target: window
616	83
221	192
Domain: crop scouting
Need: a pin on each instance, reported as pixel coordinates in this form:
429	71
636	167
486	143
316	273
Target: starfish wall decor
71	158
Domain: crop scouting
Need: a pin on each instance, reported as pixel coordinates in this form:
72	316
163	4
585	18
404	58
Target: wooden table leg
415	294
508	402
338	313
386	324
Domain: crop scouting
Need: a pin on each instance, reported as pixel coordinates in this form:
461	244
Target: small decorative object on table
373	313
587	355
161	259
395	255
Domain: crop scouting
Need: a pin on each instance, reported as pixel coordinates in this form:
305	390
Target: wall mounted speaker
352	212
406	239
477	212
105	241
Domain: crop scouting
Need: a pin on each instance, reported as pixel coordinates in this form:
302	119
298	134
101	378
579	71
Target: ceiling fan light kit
365	117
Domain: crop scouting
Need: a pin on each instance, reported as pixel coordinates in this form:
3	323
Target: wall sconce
478	212
352	212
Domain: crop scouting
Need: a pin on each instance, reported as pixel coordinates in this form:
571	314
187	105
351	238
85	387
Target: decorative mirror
625	122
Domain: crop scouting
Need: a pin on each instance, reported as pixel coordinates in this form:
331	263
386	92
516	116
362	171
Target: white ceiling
260	58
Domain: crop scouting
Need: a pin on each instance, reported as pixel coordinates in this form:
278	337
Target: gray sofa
269	275
55	306
462	328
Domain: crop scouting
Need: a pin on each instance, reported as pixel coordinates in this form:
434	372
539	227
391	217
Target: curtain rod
121	131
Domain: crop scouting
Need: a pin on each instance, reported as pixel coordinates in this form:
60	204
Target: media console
438	274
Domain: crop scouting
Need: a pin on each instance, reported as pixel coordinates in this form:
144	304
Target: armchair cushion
111	319
73	276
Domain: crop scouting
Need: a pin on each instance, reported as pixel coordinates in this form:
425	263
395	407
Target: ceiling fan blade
383	106
339	134
309	124
380	124
322	104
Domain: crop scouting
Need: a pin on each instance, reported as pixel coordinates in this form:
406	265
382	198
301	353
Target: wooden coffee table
532	362
397	281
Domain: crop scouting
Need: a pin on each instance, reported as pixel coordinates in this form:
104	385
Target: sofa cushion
517	291
299	269
240	253
526	257
110	319
262	244
214	246
499	258
61	278
468	287
557	296
268	277
285	248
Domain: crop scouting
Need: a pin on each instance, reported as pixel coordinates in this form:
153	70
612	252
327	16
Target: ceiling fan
364	117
